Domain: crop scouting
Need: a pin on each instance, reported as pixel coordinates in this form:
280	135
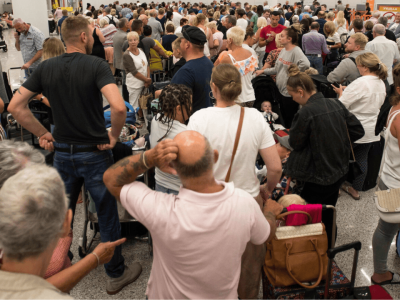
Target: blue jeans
89	167
160	188
28	72
316	63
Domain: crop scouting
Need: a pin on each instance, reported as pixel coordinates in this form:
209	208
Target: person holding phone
30	43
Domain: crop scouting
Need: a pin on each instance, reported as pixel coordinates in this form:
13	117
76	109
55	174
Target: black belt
312	54
74	149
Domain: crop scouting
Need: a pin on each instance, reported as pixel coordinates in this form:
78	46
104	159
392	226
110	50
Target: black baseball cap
194	35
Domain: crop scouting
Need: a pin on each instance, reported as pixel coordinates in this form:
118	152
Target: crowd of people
209	136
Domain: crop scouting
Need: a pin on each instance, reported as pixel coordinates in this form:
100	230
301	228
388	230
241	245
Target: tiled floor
357	221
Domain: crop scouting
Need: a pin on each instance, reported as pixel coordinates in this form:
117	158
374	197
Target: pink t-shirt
198	238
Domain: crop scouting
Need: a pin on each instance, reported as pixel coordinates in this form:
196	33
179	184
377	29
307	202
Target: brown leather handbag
297	254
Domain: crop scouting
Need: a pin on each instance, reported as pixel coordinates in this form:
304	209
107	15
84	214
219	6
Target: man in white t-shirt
200	234
240	21
385	49
176	19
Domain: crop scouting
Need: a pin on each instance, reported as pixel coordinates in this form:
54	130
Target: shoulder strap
353	59
237	138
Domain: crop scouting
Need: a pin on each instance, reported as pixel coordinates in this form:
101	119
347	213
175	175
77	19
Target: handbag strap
387	132
281	216
235	146
351	145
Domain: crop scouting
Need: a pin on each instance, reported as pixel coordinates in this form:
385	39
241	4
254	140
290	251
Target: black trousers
288	109
265	57
324	194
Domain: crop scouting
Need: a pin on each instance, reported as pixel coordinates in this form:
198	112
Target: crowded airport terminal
200	150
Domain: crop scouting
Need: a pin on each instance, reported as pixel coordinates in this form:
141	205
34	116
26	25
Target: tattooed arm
128	169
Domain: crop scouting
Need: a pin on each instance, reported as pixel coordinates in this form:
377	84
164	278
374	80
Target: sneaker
115	285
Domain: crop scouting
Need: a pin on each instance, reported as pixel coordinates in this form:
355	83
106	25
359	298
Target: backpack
130	115
111	21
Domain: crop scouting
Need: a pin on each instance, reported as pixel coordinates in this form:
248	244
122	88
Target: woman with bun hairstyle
321	147
364	98
219	125
290	54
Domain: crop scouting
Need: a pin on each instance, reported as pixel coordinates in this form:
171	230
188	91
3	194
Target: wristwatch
41	99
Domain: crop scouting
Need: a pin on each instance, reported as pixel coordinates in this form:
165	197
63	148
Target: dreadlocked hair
172	96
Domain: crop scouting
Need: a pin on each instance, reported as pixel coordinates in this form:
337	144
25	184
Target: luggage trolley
90	216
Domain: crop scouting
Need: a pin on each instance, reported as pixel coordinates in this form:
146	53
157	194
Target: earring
211	95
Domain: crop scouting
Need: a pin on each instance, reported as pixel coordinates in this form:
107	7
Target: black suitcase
374	163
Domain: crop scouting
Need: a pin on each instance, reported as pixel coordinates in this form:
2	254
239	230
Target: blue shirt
321	23
282	21
61	20
196	75
304	13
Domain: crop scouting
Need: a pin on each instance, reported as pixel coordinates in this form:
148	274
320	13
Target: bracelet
42	135
144	160
98	259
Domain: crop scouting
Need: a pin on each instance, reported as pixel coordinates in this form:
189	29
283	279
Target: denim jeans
89	167
316	63
160	188
382	240
28	72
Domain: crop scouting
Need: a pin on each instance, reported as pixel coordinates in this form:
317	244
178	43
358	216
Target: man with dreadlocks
174	110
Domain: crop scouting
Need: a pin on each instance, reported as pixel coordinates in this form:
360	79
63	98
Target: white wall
33	12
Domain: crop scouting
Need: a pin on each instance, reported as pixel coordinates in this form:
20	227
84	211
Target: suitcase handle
309	220
332	252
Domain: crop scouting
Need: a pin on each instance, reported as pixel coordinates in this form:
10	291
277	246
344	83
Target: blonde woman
330	16
364	98
261	23
137	70
200	22
217	38
273	55
217	16
341	23
333	41
98	48
243	60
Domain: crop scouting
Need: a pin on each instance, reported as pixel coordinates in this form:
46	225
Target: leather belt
74	149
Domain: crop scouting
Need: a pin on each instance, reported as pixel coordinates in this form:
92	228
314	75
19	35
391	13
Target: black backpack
111	21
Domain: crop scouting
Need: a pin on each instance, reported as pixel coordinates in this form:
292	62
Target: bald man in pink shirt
200	234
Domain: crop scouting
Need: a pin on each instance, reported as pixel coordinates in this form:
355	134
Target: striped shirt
108	33
30	44
314	43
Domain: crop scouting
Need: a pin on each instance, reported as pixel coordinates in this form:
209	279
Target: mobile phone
336	84
19	33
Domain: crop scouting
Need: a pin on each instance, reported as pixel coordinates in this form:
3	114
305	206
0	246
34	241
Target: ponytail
227	79
374	65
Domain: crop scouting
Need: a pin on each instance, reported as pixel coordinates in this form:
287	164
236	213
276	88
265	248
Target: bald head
195	155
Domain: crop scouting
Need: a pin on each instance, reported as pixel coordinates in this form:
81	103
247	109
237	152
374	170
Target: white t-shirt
198	238
217	36
334	38
219	126
364	98
242	23
344	26
176	19
158	130
247	47
387	51
140	61
178	30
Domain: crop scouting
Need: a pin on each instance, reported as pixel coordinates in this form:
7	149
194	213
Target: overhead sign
389	7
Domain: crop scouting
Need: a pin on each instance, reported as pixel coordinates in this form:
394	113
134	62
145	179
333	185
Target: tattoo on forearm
125	176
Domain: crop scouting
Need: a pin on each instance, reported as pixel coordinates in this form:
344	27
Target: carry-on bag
297	254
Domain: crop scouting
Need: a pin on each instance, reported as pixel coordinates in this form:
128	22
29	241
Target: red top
266	32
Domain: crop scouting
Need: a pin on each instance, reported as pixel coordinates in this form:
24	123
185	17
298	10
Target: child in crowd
267	111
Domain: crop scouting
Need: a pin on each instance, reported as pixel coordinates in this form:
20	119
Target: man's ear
216	155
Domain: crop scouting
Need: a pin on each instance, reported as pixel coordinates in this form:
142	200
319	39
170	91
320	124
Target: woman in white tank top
390	179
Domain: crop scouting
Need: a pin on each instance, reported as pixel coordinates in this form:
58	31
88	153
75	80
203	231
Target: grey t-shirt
284	60
145	44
